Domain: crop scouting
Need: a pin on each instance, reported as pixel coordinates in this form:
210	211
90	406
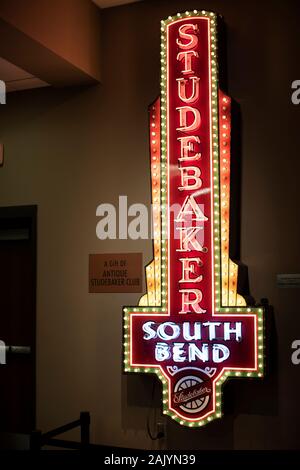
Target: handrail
38	440
61	430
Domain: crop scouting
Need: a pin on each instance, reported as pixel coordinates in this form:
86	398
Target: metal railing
38	440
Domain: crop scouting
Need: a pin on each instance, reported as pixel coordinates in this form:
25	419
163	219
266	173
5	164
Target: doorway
18	318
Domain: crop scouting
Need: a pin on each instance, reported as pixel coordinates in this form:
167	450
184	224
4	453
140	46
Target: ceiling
16	78
112	3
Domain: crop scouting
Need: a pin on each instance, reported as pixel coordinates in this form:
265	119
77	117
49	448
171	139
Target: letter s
192	38
147	328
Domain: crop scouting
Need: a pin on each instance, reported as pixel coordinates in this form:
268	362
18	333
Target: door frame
26	216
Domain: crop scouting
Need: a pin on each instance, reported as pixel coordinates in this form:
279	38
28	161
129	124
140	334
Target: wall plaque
115	272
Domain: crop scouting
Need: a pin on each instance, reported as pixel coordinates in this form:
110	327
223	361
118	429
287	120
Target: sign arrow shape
192	329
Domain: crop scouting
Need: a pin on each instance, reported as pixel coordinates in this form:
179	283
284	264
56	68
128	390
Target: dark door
17	318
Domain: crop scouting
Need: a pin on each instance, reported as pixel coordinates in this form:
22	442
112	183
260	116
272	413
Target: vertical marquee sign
192	329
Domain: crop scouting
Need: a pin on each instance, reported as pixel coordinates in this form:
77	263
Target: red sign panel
192	328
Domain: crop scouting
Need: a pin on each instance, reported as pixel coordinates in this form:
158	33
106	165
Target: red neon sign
192	328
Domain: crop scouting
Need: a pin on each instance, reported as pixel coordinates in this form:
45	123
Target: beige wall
69	150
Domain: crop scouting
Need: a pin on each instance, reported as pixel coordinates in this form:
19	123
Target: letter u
182	86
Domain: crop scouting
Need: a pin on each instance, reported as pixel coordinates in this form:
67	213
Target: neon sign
192	329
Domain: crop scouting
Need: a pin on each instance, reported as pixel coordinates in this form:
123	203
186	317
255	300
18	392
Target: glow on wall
192	329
